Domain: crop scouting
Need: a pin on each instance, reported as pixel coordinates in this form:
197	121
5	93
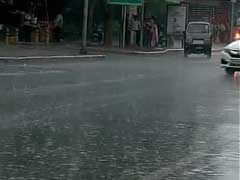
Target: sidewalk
71	50
42	51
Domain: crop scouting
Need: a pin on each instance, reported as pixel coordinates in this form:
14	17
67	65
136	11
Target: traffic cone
236	74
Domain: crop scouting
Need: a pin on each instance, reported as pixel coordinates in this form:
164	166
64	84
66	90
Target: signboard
174	1
176	23
206	2
126	2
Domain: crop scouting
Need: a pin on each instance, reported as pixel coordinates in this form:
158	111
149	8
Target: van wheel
209	53
186	53
229	71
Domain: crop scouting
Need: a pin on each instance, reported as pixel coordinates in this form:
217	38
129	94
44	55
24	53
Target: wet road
124	118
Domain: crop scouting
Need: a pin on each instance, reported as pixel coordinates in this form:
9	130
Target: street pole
84	30
124	25
142	26
232	19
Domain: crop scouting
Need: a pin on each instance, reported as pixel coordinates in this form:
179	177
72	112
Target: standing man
136	27
222	32
27	27
155	34
147	34
58	26
238	18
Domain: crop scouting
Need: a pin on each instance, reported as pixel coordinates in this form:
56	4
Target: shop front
213	11
29	21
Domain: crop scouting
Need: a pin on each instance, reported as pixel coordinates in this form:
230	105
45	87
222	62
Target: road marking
28	73
25	65
50	57
12	74
47	72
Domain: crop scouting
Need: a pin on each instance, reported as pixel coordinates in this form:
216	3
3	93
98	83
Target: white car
230	57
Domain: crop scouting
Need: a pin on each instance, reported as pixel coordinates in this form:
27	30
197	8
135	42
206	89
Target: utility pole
124	25
84	30
232	19
142	26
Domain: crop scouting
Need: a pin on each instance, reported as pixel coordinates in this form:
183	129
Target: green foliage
158	9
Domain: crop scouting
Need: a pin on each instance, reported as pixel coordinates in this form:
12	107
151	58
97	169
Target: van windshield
198	28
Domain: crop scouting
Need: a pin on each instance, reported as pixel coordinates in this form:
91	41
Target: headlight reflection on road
236	77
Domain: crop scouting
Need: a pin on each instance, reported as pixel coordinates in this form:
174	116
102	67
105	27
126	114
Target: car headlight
233	52
237	36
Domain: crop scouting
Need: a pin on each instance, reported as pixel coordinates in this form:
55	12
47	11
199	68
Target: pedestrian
218	30
238	21
128	29
27	27
238	18
58	26
214	32
154	34
136	27
222	32
147	34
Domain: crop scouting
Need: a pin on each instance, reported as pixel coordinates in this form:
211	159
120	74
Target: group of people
54	28
150	32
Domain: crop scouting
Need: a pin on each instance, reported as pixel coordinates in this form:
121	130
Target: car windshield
198	28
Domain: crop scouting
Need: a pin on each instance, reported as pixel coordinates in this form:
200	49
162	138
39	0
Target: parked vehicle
162	40
230	57
98	34
198	39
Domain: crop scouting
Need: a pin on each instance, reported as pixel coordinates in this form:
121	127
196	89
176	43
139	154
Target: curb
155	52
217	50
128	52
164	51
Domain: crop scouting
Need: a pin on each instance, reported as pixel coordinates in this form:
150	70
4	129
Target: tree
92	7
107	12
98	9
